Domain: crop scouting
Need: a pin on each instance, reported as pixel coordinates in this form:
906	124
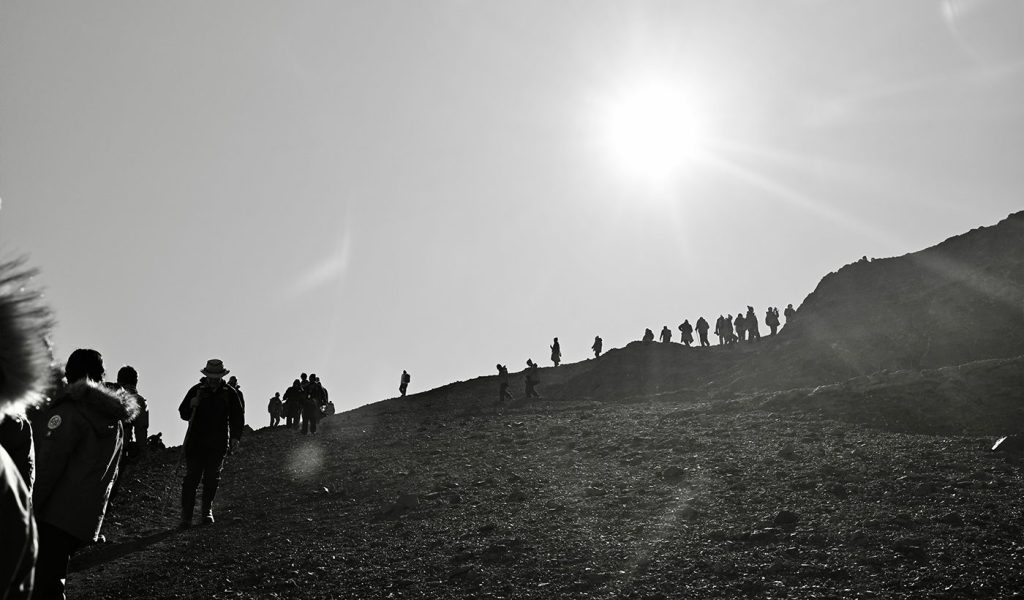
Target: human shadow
104	553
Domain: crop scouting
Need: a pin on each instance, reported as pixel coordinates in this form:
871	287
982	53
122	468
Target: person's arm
185	408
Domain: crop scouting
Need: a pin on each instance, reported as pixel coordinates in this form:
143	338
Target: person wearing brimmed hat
215	422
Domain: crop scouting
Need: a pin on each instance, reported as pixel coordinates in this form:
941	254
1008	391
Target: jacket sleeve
55	445
236	416
184	409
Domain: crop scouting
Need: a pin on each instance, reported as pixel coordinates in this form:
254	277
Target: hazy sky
357	188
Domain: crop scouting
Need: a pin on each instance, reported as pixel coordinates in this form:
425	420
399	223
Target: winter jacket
16	439
218	416
78	449
20	545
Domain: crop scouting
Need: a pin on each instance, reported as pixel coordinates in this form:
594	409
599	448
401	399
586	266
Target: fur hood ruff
97	398
24	324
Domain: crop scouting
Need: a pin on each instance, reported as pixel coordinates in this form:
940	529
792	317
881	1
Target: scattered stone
926	489
951	518
763	536
517	496
408	501
786	517
673	474
837	489
594	491
788	451
463	572
912	548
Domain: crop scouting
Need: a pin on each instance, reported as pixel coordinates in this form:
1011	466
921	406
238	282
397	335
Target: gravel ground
560	498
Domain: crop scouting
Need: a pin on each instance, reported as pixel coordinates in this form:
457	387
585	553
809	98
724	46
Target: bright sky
357	188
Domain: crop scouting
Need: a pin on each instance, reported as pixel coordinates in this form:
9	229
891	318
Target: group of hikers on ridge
305	402
729	331
744	327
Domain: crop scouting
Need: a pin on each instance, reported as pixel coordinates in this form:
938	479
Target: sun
652	131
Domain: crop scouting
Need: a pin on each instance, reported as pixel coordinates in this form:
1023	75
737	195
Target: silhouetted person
720	329
598	344
686	332
771	319
790	312
319	393
702	332
310	399
648	336
292	405
78	449
137	431
404	383
750	321
741	327
503	383
556	353
275	407
233	384
532	378
666	334
730	335
215	423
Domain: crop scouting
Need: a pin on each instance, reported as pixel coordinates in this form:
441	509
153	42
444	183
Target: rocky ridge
847	457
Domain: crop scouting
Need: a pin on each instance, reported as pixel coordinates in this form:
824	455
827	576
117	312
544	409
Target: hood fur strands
97	397
24	324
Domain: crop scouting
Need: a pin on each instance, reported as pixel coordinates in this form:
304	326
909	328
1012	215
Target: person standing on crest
215	423
702	332
598	344
403	385
556	353
686	332
275	407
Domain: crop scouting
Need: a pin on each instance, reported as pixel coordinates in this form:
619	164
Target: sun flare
652	131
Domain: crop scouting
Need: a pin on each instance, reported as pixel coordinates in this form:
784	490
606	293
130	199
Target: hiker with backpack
750	321
702	331
274	407
686	333
531	379
403	385
215	423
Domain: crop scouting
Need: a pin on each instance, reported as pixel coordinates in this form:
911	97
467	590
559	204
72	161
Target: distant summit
957	302
954	303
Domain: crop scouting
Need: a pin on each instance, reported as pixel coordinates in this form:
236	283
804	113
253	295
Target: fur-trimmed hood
100	400
24	324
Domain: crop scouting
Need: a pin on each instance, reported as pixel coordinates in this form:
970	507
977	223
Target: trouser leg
55	549
212	466
193	474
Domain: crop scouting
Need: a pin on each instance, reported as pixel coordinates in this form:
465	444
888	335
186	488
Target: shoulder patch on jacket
54	422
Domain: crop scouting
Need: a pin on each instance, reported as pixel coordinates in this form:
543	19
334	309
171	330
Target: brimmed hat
214	368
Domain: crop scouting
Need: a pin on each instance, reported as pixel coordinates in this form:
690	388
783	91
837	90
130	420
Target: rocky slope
847	457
